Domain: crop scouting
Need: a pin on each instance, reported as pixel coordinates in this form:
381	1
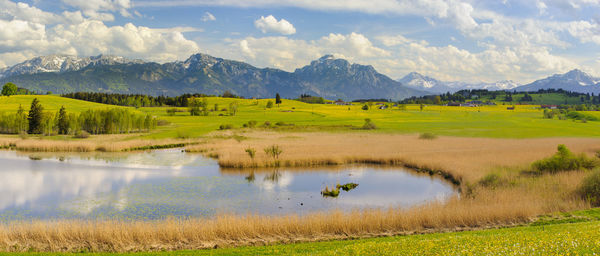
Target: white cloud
270	24
22	11
494	63
26	32
208	17
101	9
288	54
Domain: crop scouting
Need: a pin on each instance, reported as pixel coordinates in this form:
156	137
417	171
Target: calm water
164	183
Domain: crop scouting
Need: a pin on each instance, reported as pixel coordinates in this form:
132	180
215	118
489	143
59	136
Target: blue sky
447	39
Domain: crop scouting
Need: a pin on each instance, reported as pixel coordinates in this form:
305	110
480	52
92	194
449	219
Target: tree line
101	121
140	100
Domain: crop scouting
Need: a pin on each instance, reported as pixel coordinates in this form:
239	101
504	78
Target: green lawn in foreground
542	238
487	121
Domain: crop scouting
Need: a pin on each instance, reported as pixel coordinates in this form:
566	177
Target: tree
63	121
277	99
9	89
35	117
233	107
421	107
269	104
21	120
365	107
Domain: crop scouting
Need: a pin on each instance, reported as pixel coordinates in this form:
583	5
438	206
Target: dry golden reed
467	158
103	143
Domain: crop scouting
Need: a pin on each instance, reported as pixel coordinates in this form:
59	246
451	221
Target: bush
267	124
490	180
171	111
269	104
427	136
226	126
162	122
590	188
250	124
183	135
563	160
81	135
369	125
365	107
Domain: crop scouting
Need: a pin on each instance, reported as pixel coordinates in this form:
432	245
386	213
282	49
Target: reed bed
102	143
468	159
500	209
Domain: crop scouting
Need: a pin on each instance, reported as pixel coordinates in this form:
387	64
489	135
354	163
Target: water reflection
164	183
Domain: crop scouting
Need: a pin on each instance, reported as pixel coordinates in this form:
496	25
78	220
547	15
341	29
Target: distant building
549	106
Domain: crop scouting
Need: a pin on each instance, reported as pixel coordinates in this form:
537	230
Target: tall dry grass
103	143
466	158
231	230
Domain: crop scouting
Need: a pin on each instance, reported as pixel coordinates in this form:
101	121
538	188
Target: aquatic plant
347	187
334	192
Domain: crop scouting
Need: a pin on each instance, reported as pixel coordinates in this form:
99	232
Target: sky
451	40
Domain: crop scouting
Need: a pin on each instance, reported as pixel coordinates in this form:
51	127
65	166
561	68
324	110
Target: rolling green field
486	121
571	234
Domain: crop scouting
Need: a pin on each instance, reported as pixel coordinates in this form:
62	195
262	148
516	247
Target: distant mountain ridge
200	73
327	77
61	63
432	85
574	80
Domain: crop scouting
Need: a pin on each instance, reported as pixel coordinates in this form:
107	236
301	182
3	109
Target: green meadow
525	121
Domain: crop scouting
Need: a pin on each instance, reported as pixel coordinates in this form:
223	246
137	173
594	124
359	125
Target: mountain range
328	77
432	85
574	80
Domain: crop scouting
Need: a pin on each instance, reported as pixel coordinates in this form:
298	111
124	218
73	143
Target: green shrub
334	192
225	126
347	186
369	125
563	160
490	180
81	135
183	135
427	136
250	124
365	107
590	188
581	116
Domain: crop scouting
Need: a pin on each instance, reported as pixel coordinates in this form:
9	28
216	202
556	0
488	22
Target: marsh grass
102	143
468	159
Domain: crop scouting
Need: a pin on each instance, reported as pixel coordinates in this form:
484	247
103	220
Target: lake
163	183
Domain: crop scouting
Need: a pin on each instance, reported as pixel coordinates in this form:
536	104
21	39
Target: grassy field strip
555	239
487	121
